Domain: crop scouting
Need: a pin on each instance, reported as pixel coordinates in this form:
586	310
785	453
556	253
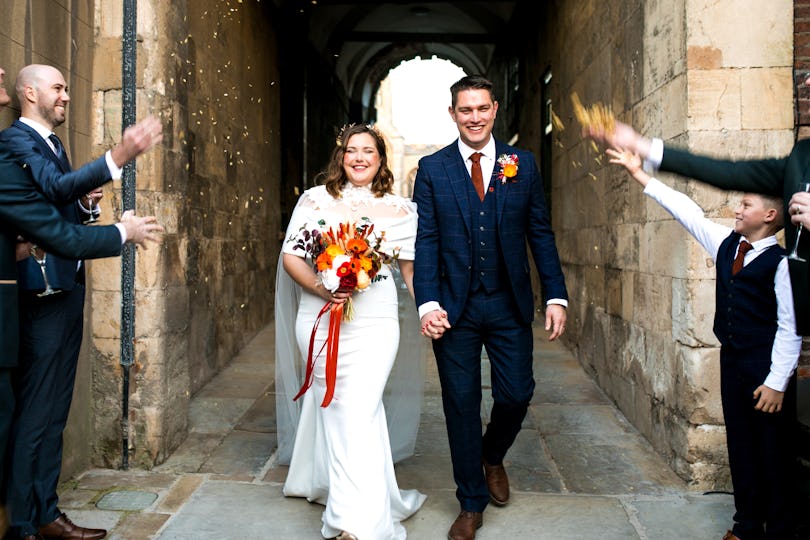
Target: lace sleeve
400	231
303	216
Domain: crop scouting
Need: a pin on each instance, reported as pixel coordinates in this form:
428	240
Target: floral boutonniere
509	167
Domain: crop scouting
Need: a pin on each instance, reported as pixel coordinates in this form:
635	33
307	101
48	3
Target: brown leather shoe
730	536
497	482
63	528
465	525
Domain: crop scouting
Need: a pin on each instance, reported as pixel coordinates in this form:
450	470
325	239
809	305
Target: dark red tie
477	175
744	248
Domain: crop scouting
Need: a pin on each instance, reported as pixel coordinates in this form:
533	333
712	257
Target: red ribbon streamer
331	345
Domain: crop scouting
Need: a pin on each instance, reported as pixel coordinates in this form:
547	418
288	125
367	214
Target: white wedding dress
342	455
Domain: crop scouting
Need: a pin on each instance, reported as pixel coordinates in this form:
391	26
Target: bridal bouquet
347	259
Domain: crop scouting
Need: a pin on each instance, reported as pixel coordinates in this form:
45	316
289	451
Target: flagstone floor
578	470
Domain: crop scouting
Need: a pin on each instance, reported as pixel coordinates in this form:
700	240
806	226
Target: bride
342	455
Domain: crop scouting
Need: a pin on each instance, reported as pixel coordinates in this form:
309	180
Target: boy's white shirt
786	345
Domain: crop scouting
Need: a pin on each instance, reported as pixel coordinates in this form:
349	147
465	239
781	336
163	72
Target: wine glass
41	261
794	254
93	204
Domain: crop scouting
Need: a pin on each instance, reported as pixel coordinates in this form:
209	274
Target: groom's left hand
555	320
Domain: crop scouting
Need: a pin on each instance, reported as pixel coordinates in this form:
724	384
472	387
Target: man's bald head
33	76
42	92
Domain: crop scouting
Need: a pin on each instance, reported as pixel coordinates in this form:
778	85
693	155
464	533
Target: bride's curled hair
334	177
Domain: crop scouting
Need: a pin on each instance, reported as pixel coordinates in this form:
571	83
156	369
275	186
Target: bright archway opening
412	105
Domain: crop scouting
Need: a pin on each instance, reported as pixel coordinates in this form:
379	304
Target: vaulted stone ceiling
364	39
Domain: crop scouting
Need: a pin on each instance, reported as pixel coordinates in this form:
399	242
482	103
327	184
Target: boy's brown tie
737	265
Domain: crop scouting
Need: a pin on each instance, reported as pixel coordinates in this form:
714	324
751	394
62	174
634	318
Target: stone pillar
208	69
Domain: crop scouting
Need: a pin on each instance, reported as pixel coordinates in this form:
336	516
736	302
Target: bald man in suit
24	211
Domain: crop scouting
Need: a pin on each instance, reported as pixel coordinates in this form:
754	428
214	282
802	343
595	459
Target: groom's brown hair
472	82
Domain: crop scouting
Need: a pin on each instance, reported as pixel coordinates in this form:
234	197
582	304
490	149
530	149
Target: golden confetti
556	122
597	115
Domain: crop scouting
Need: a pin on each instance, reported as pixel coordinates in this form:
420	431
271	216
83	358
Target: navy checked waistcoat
486	259
746	303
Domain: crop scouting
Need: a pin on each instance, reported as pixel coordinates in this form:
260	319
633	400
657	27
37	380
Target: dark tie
60	151
744	248
477	175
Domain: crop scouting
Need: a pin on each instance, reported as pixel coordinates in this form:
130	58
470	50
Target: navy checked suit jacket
443	242
23	210
61	186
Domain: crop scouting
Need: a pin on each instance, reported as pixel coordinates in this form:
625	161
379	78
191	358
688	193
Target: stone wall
712	76
209	70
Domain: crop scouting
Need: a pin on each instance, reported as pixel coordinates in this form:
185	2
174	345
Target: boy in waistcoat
754	322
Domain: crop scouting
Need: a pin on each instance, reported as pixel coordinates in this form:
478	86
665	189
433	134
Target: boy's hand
625	158
770	400
630	161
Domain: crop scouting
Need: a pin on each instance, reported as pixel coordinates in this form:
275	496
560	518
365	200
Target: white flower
329	277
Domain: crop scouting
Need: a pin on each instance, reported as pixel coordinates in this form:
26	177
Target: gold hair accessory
370	127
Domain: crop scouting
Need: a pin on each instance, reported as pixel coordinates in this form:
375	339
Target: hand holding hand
555	320
137	139
141	229
435	324
769	400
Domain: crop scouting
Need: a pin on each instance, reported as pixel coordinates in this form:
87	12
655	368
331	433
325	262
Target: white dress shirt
787	345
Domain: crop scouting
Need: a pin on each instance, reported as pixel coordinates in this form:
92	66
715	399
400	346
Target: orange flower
324	261
357	245
365	263
509	167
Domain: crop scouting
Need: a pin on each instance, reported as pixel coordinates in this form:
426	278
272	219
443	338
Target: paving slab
139	526
241	453
192	453
216	414
261	416
530	516
611	465
243	510
690	516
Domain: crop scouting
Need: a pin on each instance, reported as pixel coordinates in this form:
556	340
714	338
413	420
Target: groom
480	202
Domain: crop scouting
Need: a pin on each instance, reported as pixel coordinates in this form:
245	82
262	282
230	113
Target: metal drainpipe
128	54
